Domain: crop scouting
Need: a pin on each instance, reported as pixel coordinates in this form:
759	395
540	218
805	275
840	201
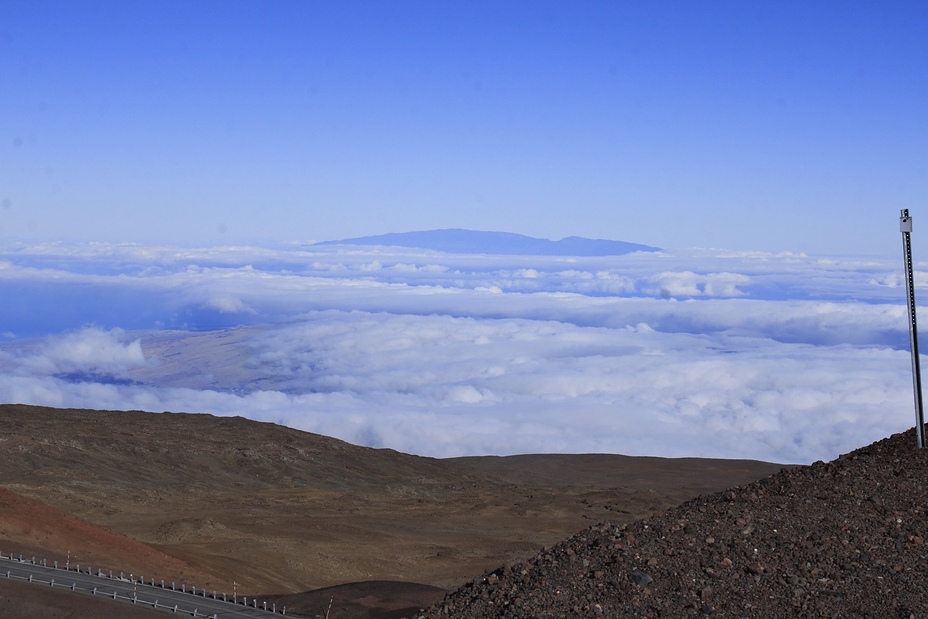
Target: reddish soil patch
32	528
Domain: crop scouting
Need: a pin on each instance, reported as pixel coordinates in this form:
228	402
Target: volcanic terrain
227	502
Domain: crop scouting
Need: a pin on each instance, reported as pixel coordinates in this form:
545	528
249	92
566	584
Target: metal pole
905	226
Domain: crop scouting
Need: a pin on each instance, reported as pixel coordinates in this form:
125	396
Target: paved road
194	602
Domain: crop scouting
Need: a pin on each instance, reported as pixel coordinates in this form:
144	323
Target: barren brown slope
678	479
279	510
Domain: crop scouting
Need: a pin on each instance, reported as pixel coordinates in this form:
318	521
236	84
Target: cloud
90	351
228	304
698	353
689	284
89	354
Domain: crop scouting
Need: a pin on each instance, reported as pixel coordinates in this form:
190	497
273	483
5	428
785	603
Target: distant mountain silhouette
458	241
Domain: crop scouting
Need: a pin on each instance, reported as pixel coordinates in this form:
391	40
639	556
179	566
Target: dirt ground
228	502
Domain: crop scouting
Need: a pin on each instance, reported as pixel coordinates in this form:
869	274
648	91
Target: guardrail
134	589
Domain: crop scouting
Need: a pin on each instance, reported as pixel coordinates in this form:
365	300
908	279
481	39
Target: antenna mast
905	226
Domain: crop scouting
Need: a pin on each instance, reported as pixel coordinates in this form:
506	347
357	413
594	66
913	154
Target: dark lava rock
640	579
835	540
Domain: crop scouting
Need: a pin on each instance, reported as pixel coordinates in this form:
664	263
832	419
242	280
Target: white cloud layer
700	353
92	351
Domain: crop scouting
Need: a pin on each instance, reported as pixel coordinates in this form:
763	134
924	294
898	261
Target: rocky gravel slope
838	539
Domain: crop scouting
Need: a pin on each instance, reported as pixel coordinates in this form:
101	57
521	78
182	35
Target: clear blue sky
775	125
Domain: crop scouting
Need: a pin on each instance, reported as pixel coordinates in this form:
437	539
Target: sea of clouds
779	357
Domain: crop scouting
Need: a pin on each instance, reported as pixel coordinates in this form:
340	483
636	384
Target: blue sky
774	126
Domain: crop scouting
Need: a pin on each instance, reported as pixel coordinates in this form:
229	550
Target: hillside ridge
282	510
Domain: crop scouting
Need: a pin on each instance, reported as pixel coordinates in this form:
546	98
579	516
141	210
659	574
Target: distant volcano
458	241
